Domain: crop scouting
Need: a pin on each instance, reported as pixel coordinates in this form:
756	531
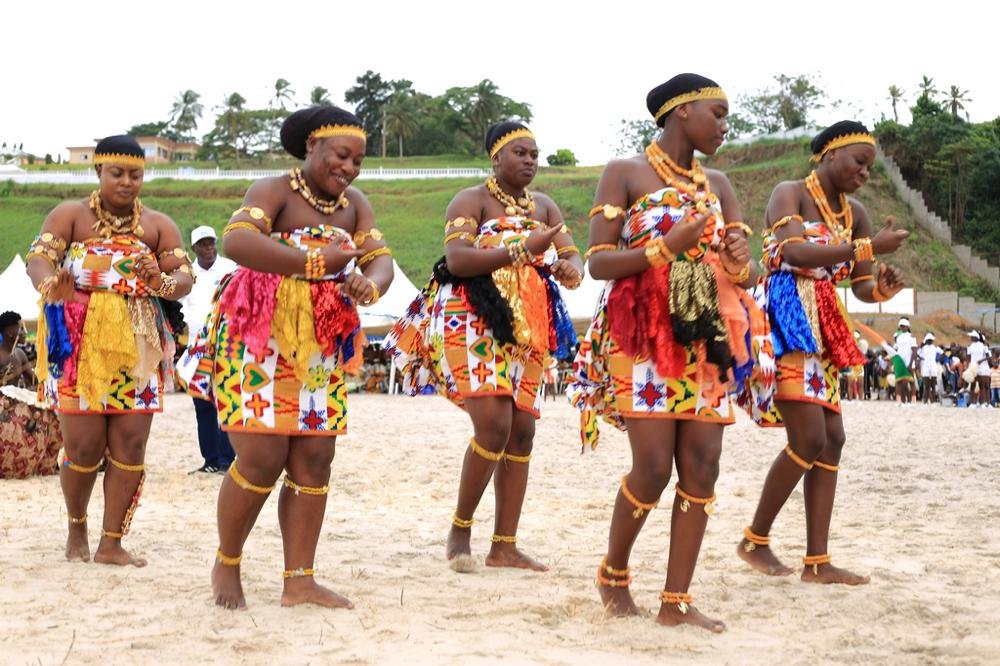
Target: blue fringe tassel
742	372
565	333
58	342
790	329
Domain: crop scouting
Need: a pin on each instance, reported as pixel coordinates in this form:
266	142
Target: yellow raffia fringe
107	347
42	345
807	296
293	326
147	339
507	282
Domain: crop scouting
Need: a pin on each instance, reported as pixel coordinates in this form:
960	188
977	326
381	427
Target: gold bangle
601	247
368	258
362	236
306	490
862	278
460	222
227	561
740	277
609	211
249	226
863	249
44	255
503	538
298	573
459	234
462	523
374	299
567	249
742	226
167	286
45	286
256	213
655	254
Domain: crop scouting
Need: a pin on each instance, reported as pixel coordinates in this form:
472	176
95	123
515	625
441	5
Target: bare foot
110	551
617	601
762	559
507	555
227	588
670	616
827	573
458	552
305	590
77	546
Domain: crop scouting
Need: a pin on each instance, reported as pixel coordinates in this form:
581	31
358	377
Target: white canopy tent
582	301
16	291
378	318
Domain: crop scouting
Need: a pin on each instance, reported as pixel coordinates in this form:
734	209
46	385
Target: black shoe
207	469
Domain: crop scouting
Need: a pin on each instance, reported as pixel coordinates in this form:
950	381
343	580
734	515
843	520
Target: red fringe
639	320
837	336
334	316
75	314
249	301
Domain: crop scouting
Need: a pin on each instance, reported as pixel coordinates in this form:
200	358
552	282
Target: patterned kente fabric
811	331
630	364
274	349
441	344
105	352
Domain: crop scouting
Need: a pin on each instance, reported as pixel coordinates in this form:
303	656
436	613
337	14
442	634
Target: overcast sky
80	70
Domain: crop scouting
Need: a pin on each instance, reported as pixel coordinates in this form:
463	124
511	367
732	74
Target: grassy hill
411	213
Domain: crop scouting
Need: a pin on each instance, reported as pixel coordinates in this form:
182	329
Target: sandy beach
918	509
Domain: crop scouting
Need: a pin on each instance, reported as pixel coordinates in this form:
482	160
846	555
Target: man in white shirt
208	270
928	354
903	361
979	355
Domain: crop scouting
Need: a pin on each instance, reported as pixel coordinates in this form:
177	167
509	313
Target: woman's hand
359	288
149	271
890	280
538	241
686	233
566	273
62	288
888	239
734	252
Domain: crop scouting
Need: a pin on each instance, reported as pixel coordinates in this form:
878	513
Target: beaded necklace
297	182
842	231
668	171
522	206
108	224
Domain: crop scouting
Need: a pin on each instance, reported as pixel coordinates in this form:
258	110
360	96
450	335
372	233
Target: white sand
918	509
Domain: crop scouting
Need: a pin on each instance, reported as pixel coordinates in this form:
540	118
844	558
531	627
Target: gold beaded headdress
119	149
522	133
338	130
119	158
844	140
712	92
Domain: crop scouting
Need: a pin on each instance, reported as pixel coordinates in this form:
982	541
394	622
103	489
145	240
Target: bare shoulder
356	196
69	210
270	188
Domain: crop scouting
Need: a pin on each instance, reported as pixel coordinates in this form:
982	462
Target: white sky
73	71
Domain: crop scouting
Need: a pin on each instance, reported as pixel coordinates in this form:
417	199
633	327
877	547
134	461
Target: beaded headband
338	130
508	137
119	158
845	140
702	93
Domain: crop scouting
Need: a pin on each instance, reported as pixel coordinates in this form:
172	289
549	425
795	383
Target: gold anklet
612	571
484	453
815	560
69	464
243	483
227	561
613	582
112	535
499	538
680	599
77	521
462	523
708	503
823	465
796	459
126	467
297	573
754	540
640	507
306	490
517	459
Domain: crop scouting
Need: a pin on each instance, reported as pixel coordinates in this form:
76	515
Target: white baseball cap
974	335
903	321
929	336
201	233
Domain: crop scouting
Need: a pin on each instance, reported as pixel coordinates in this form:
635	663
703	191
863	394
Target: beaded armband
233	226
465	235
47	246
742	226
371	256
601	247
257	214
362	236
609	211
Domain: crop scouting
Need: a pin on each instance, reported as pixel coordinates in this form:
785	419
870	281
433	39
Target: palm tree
895	95
955	98
400	118
319	95
927	88
185	114
282	93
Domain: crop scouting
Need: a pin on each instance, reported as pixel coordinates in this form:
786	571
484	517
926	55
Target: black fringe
485	299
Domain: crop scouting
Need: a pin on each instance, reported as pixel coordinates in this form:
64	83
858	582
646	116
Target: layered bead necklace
521	206
669	172
842	231
108	225
297	182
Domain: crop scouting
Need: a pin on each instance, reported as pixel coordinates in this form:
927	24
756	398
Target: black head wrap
840	134
681	89
502	133
319	121
120	149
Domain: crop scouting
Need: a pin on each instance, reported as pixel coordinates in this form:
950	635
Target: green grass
411	212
